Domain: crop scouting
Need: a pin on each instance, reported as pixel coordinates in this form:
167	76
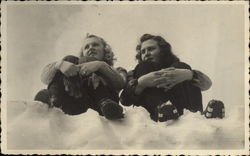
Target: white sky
207	37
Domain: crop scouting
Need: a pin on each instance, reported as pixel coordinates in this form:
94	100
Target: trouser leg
183	95
151	97
186	95
99	94
61	98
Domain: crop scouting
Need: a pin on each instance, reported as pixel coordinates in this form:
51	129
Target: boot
167	111
111	109
215	109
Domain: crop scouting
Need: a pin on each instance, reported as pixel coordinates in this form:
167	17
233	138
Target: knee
181	65
146	67
43	96
71	58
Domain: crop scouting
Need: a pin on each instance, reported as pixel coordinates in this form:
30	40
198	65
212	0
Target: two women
160	83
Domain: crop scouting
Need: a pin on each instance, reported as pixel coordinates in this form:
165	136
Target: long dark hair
168	57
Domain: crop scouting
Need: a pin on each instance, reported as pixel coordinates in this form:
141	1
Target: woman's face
150	51
93	47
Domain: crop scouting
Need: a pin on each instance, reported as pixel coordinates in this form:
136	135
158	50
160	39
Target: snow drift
31	125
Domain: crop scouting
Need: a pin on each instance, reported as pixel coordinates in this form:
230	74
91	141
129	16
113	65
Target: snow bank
31	125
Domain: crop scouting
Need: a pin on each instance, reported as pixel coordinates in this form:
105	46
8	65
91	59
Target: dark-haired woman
162	84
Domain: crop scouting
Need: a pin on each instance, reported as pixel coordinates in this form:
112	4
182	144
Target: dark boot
167	111
215	109
111	109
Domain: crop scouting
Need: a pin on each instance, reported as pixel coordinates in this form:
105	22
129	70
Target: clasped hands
165	78
84	69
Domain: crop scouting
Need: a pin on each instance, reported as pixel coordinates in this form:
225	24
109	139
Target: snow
32	125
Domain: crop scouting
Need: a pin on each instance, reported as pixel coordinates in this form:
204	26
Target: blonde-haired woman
88	81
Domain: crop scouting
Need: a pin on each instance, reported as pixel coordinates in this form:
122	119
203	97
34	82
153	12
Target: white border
246	80
3	78
201	152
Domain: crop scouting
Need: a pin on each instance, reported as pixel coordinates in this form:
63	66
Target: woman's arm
167	77
110	75
148	80
134	87
180	72
50	70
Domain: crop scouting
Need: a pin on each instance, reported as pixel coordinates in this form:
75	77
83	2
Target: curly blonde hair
108	53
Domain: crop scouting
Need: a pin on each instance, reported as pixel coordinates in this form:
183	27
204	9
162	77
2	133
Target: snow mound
32	125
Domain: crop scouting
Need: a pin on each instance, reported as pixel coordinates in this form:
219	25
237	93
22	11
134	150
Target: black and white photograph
125	77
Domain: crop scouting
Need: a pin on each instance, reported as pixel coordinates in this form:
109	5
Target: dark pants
90	97
182	95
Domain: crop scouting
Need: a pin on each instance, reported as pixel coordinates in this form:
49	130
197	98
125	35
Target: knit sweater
112	77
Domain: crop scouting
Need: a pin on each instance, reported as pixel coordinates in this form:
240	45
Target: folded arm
134	87
49	72
179	72
109	74
112	77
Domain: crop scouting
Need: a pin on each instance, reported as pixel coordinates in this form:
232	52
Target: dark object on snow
215	109
43	96
167	111
111	109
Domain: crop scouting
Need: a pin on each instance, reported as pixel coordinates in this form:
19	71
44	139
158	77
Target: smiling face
150	51
93	47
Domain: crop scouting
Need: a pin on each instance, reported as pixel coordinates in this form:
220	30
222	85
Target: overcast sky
207	37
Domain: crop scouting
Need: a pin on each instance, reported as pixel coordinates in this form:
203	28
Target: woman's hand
68	69
172	76
90	67
148	80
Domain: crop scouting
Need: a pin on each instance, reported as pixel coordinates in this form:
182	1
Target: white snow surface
32	125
